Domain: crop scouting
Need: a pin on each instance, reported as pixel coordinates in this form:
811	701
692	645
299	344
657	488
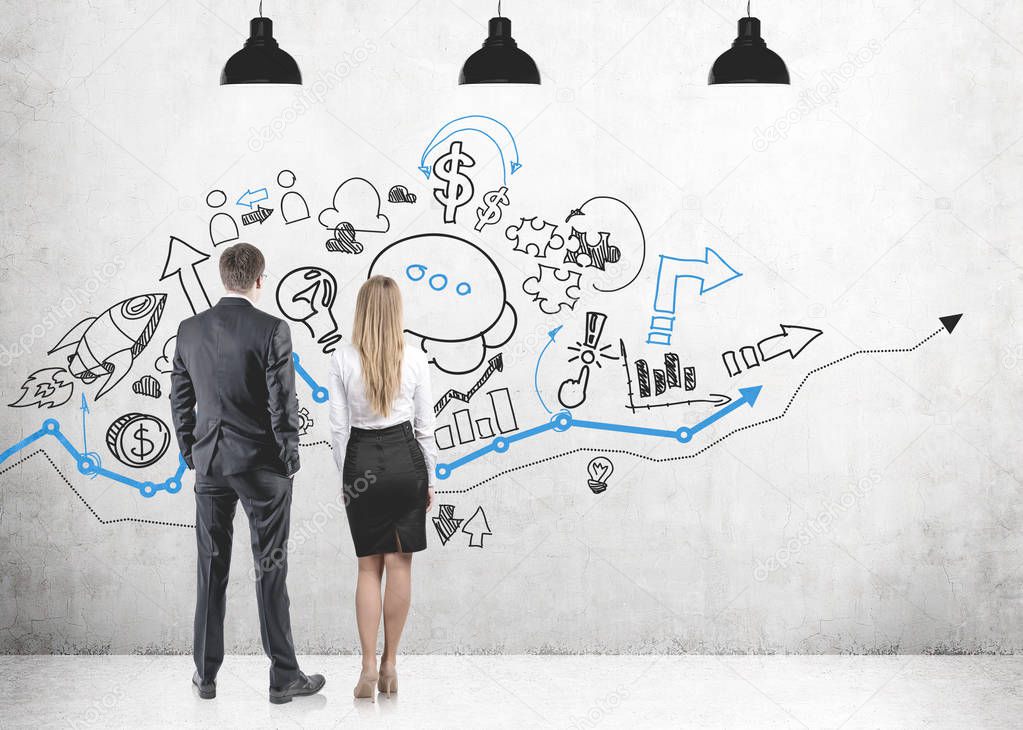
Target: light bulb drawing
307	295
599	468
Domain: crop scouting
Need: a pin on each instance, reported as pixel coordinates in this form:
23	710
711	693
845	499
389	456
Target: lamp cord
748	15
261	8
499	9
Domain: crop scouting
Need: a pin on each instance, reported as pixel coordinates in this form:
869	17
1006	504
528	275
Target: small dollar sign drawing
457	190
491	214
145	445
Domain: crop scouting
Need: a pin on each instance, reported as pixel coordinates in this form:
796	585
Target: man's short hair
240	266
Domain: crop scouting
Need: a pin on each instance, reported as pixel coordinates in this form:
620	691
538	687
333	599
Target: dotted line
87	505
707	446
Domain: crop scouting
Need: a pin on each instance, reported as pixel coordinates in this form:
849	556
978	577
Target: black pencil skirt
385	481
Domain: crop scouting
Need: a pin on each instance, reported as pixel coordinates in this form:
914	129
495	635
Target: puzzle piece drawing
581	252
564	283
535	240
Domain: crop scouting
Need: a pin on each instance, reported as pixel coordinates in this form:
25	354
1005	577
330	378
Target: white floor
577	692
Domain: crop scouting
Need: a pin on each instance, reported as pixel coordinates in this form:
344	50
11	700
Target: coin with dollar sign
138	439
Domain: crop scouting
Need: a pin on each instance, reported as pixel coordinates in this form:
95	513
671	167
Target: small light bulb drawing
600	468
307	295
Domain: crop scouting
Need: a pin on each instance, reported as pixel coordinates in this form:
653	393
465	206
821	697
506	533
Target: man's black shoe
207	690
297	688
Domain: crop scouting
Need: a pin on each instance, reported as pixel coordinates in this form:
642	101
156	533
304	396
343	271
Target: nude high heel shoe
388	682
365	687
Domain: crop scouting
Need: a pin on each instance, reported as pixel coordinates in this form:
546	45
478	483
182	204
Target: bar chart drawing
467	425
652	382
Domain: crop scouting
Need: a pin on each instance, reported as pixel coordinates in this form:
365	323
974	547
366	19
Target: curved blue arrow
536	373
515	164
426	169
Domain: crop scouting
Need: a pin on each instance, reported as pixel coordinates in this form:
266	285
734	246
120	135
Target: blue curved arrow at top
514	164
426	169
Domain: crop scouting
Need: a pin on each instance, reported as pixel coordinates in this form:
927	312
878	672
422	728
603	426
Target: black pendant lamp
261	60
749	60
500	61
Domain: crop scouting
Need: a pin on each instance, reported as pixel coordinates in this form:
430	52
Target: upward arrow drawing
85	411
536	372
476	527
181	262
495	364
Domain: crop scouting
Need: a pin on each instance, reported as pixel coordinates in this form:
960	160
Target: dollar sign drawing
492	213
458	189
145	445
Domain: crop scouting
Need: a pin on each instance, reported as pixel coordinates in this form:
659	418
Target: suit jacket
233	391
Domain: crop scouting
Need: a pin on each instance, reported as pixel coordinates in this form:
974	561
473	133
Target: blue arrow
515	164
252	201
536	373
563	421
746	395
85	411
425	169
719	271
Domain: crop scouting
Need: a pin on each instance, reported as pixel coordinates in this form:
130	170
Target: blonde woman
381	416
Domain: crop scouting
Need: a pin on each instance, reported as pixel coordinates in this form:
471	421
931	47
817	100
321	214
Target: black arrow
949	321
793	340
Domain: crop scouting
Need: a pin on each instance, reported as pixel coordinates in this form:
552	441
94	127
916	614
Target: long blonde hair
377	335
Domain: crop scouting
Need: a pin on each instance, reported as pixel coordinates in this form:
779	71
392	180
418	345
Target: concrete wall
877	193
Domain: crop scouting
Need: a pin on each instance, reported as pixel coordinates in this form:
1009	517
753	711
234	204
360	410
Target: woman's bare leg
397	598
367	607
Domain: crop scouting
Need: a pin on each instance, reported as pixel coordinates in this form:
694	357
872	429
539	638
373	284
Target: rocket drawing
107	345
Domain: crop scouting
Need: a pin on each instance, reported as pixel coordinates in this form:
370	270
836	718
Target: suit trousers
266	498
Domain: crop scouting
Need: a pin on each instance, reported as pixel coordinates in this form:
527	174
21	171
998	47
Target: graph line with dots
948	324
88	464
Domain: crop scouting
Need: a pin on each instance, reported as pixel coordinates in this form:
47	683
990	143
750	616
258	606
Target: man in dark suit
236	418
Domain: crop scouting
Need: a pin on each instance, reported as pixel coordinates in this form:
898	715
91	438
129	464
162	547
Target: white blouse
350	408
